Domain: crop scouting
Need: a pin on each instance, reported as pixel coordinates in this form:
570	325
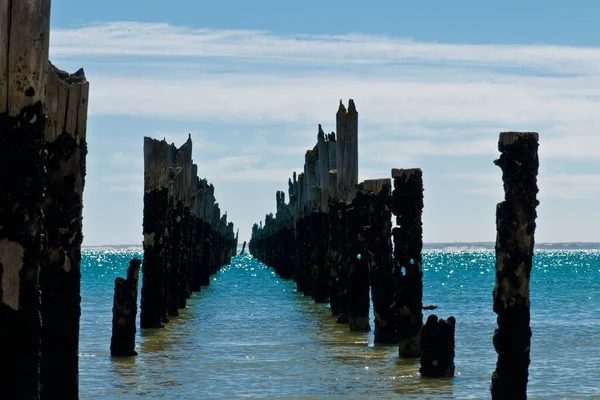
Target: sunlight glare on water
250	334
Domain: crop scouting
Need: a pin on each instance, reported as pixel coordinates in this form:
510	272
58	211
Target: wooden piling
24	39
66	149
437	349
515	223
122	342
407	206
358	272
377	252
157	159
345	192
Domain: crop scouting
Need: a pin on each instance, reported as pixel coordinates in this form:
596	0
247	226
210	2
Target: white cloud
160	39
462	97
257	98
557	185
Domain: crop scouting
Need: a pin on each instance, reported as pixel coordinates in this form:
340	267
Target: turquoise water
251	335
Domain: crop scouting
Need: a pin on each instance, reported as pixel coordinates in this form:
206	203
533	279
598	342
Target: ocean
250	334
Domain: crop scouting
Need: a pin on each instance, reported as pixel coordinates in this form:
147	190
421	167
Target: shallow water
250	334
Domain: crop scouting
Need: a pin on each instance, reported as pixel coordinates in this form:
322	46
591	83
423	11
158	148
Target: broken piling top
405	174
320	134
183	181
66	104
519	162
377	186
509	138
24	42
157	159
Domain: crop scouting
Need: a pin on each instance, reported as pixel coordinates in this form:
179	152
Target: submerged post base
410	347
359	324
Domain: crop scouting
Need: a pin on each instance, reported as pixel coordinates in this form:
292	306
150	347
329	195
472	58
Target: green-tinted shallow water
251	335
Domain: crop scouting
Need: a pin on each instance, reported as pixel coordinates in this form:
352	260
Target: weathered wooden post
157	158
358	273
515	224
24	38
377	252
407	205
122	343
198	239
207	233
184	162
66	149
437	349
322	278
347	180
334	244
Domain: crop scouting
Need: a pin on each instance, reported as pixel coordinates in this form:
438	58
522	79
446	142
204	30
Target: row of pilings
336	240
43	118
186	239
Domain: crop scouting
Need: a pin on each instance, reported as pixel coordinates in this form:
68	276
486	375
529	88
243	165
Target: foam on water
250	334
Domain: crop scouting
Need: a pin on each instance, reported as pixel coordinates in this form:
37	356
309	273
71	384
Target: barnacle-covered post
515	224
377	253
437	347
407	206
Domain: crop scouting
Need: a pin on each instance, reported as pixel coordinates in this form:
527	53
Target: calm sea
250	334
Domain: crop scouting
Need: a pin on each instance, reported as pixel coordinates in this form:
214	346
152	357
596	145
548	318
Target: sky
434	84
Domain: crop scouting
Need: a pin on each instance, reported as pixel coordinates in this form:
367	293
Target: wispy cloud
425	104
161	39
558	185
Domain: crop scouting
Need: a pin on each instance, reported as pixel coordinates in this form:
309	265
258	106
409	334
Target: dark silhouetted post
515	224
437	347
407	205
157	159
122	343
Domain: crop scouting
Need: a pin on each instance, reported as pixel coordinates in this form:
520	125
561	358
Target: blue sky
433	83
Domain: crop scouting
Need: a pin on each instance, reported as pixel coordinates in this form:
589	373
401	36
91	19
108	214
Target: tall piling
358	271
122	343
377	252
407	206
24	39
347	181
157	159
515	224
60	274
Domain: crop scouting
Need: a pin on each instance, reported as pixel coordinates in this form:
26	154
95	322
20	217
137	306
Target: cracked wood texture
24	34
60	274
